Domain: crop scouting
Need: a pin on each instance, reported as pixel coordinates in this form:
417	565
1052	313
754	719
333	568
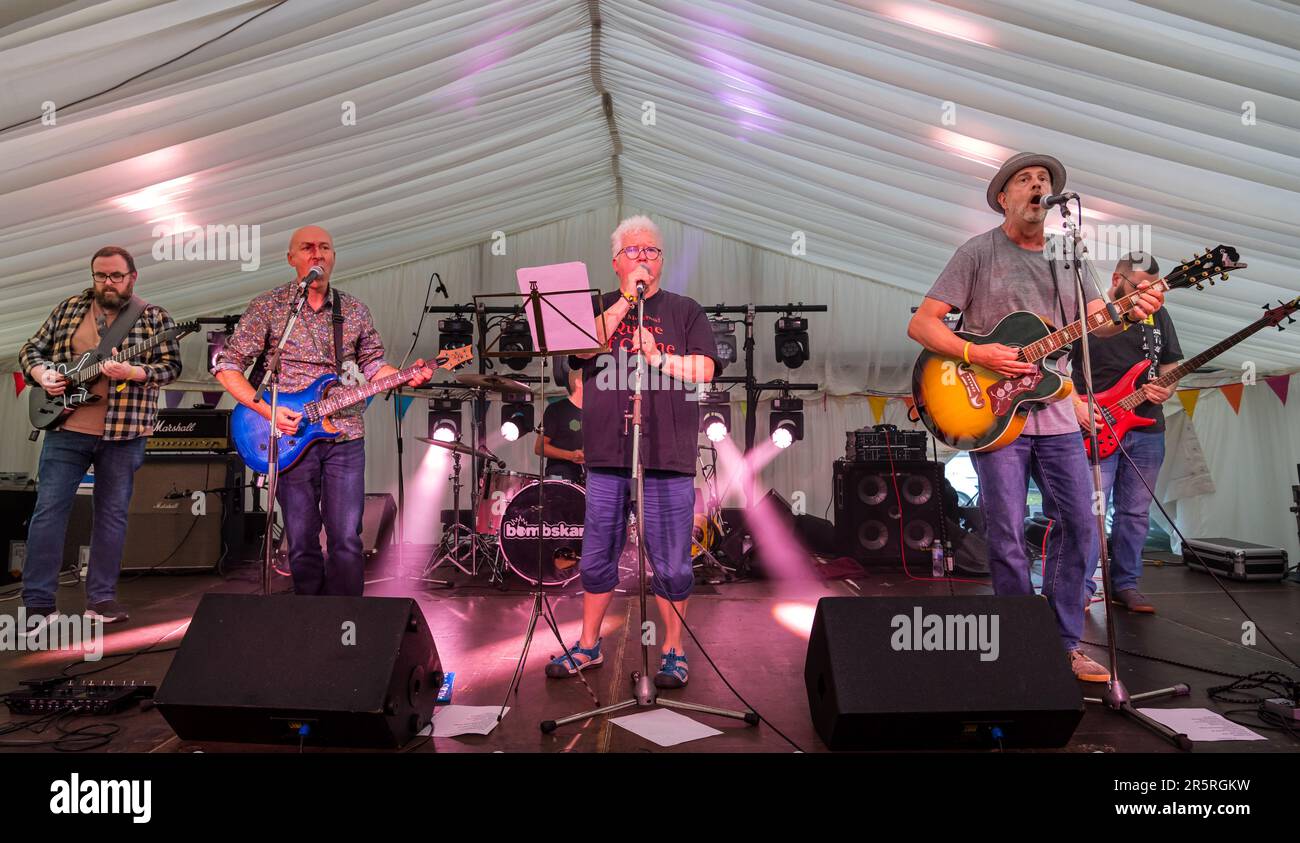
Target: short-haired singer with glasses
677	341
109	433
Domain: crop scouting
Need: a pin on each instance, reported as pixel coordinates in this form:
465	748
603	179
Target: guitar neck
341	399
1062	337
1177	373
130	353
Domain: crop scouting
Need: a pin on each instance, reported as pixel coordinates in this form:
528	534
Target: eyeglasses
635	252
115	277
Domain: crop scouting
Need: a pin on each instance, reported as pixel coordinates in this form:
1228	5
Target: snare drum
565	507
499	487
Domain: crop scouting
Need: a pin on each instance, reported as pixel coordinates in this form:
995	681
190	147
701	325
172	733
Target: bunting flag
1279	384
877	403
1188	398
911	404
173	398
404	404
1232	391
20	383
213	397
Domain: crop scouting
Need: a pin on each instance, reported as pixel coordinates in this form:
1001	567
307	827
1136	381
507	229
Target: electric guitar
326	396
48	412
972	408
1118	404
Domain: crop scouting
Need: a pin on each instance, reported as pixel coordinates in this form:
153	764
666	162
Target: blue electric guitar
326	396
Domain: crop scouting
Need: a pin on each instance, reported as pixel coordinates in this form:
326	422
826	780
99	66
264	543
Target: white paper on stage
568	296
1201	724
665	727
452	720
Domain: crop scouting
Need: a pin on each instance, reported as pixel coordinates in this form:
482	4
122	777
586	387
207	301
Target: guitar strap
337	318
121	326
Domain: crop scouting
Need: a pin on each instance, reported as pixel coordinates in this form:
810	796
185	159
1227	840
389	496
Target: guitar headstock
450	358
184	329
1200	269
1274	316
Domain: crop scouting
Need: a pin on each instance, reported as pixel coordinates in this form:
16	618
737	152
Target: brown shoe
1087	670
1134	601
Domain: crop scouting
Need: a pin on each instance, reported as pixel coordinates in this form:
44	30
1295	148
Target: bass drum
565	507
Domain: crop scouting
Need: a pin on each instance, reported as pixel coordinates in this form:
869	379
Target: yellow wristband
965	352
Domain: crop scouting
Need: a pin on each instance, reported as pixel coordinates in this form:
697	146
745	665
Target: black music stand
534	299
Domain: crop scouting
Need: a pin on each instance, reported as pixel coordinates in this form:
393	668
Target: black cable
723	677
155	67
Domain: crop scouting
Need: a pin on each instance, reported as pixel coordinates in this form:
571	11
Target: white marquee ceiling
870	127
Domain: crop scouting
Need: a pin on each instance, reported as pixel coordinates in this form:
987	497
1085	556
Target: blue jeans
1060	468
669	510
65	457
327	485
1132	519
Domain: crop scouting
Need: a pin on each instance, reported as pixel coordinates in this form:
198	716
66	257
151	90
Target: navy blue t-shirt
670	429
1154	339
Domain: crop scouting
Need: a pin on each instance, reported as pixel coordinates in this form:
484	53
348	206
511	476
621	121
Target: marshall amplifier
186	513
193	430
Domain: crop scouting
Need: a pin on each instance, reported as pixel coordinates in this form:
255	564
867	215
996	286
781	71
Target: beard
109	298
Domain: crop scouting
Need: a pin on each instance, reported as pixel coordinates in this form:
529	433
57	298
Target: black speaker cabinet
876	521
167	528
378	519
16	507
925	672
354	671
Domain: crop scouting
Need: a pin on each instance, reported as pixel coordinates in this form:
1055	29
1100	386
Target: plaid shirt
131	412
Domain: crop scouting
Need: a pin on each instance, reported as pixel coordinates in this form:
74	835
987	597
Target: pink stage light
797	617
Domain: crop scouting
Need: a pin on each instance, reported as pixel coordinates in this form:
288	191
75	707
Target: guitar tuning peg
1223	277
1199	287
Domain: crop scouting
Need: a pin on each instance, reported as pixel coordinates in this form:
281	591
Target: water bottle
936	559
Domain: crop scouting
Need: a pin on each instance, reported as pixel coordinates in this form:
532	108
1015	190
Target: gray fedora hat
1018	162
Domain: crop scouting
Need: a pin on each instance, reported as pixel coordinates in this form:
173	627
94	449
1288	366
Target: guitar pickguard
1003	393
973	394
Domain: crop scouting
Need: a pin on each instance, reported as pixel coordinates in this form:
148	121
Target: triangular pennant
20	383
1188	398
173	398
877	403
910	402
1232	391
1279	384
404	404
212	397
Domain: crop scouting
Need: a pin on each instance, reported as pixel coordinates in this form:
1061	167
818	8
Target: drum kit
504	507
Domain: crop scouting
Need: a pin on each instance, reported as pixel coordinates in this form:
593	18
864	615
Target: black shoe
108	611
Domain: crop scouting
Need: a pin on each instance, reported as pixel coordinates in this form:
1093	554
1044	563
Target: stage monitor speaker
169	529
355	671
870	524
925	672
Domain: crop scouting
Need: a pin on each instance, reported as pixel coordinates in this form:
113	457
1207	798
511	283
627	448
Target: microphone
441	288
1053	199
314	274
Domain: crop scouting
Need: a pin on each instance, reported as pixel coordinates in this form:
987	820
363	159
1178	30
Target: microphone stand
271	377
1116	696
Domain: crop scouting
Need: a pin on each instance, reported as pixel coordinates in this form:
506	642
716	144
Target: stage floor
756	632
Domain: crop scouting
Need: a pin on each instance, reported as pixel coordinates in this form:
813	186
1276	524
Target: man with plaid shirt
109	434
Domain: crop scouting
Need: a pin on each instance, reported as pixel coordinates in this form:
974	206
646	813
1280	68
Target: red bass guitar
1119	403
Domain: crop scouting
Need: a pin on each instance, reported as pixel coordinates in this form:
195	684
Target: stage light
444	420
792	347
516	337
724	335
456	332
715	415
516	417
786	421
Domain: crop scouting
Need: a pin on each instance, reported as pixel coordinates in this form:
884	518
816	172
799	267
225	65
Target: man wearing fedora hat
1006	269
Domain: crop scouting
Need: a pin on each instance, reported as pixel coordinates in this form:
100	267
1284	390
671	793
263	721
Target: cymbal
461	448
496	383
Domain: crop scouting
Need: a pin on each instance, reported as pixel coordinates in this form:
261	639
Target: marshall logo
518	528
973	394
1004	392
175	427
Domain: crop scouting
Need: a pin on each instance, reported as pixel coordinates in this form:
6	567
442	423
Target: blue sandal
574	660
672	670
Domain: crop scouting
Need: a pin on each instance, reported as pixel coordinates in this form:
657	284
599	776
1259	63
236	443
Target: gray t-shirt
987	278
